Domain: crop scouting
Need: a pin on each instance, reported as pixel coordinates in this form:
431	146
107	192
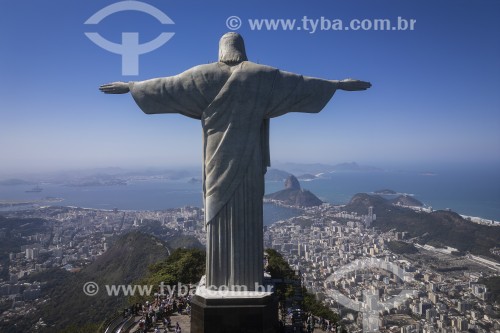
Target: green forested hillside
126	261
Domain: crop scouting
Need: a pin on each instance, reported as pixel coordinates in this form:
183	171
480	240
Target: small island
307	177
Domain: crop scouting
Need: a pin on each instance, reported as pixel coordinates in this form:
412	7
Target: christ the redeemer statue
234	99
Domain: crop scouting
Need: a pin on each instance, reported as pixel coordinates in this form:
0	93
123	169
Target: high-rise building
433	297
423	307
430	314
32	253
463	324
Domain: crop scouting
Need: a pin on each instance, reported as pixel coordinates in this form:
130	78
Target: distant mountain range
313	171
119	176
276	175
318	168
103	176
15	182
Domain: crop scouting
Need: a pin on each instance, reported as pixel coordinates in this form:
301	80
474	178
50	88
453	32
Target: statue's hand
353	85
115	88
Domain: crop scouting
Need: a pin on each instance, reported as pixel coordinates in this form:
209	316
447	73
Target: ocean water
143	195
465	192
474	193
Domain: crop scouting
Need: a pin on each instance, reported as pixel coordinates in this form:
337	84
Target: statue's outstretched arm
352	85
115	88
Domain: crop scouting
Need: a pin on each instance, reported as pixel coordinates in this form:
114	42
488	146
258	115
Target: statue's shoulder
252	66
211	67
218	66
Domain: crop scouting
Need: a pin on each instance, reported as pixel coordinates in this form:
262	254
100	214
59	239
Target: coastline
480	220
475	199
19	205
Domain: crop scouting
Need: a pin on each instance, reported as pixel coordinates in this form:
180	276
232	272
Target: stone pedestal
234	312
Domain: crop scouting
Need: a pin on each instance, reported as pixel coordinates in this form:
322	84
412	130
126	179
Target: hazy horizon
194	169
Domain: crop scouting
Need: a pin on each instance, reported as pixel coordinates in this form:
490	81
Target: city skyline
433	99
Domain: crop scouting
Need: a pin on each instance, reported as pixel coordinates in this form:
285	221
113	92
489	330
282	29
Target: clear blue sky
435	97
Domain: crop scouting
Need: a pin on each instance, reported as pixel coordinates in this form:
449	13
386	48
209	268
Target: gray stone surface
234	99
242	315
292	183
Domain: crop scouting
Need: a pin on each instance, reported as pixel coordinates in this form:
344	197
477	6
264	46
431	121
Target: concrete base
234	314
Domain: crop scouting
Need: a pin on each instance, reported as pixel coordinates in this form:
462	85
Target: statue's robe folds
234	104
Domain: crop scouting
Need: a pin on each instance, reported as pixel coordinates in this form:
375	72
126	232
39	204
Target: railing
104	326
117	322
127	325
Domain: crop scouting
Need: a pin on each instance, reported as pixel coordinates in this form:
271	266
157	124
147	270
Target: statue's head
232	49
